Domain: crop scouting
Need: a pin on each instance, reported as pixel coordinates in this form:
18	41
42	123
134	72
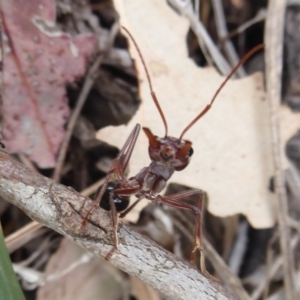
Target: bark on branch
63	210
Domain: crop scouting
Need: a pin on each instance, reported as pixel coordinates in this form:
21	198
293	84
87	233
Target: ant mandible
168	154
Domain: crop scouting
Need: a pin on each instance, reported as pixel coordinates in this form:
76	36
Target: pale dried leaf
88	281
142	291
232	143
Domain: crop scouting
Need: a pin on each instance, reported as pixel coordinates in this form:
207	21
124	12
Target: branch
63	210
222	31
274	31
185	8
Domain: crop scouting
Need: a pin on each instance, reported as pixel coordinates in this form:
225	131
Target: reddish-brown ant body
168	154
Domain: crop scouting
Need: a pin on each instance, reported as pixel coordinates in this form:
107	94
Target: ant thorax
153	178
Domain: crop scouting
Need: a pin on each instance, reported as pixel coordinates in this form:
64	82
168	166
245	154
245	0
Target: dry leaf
91	280
35	106
232	158
142	291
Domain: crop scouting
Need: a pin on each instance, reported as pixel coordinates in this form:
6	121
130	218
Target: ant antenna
208	106
153	95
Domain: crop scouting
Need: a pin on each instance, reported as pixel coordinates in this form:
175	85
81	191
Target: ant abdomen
121	202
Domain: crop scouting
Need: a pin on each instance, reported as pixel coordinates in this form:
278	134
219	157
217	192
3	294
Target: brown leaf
40	60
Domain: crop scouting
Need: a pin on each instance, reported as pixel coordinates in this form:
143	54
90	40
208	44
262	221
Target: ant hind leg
175	201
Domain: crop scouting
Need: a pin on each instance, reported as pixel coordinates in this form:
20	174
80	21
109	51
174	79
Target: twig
197	8
293	181
200	39
186	9
83	259
23	236
28	232
274	269
239	248
92	188
261	16
269	261
225	274
88	83
273	58
26	161
222	32
294	225
63	210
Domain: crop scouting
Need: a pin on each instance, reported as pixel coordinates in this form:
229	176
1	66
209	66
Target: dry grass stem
273	57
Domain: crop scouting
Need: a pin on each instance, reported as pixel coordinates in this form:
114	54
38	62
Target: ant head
169	150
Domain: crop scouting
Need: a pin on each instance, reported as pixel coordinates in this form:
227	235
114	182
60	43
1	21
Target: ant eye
191	152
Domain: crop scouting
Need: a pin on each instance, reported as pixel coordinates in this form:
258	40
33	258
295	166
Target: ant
168	154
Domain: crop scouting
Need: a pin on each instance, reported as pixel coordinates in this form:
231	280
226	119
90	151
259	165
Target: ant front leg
118	168
174	201
131	188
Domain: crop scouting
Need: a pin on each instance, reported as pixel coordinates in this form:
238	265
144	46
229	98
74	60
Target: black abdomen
121	202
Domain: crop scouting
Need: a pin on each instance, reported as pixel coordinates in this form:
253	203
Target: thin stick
88	83
225	274
292	178
200	37
185	8
273	57
274	269
260	16
222	31
22	236
26	161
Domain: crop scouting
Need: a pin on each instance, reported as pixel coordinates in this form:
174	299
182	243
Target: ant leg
174	201
124	213
115	221
130	190
115	216
121	161
119	166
